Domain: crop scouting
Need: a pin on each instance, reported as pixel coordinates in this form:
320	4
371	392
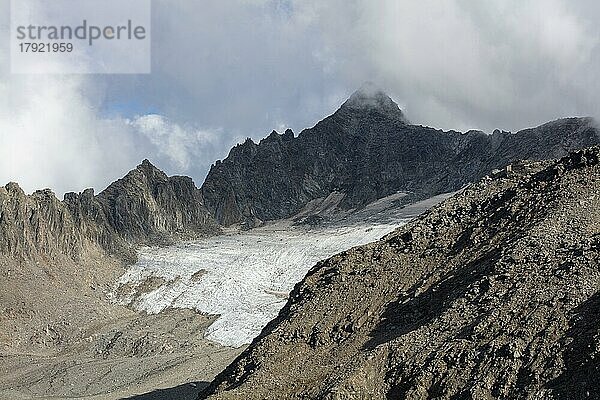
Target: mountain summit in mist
370	98
368	150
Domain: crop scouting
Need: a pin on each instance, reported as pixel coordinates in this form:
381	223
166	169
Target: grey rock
493	293
367	150
144	207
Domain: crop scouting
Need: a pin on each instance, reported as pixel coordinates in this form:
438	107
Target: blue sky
227	70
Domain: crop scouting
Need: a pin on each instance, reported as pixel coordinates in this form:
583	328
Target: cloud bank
223	71
52	136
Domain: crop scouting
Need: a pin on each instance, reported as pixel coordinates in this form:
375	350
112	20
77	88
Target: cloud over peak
265	64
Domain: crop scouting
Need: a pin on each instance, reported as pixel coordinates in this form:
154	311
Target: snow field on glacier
245	277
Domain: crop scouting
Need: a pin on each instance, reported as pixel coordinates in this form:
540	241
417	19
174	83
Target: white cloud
489	64
179	148
227	70
51	135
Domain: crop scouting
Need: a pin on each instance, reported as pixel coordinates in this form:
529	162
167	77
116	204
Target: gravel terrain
492	294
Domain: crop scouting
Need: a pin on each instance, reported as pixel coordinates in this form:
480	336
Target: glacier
244	277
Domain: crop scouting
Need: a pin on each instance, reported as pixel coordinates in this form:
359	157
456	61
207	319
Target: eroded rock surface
60	333
491	294
144	207
367	150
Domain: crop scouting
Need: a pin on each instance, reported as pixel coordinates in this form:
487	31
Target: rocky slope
144	207
367	150
39	226
121	358
492	294
148	207
61	336
59	259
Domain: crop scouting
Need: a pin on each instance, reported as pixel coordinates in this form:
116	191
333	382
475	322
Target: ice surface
245	276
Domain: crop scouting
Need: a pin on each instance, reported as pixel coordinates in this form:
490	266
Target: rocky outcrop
39	226
145	207
148	207
368	150
491	294
59	259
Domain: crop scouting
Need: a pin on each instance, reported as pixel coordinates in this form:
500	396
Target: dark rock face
148	206
491	294
368	150
145	207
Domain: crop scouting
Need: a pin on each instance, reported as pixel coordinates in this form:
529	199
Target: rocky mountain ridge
365	151
491	294
368	150
58	259
144	207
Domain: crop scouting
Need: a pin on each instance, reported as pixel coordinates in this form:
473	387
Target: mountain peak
146	164
370	97
149	170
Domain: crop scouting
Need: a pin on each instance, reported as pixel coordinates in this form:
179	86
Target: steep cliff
148	207
144	207
492	294
39	226
368	150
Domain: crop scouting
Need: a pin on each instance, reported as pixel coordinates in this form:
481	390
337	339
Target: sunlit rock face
144	207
